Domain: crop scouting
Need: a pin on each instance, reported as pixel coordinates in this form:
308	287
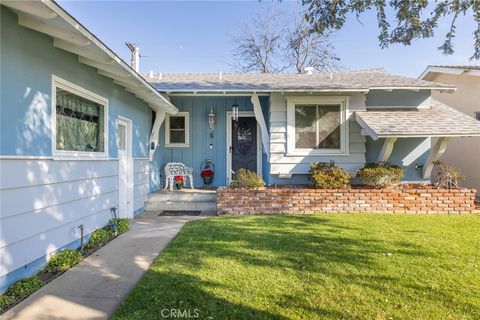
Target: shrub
6	301
328	175
23	288
380	175
63	260
99	237
445	176
122	224
247	179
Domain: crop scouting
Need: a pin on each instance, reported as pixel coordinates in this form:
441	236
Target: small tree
444	176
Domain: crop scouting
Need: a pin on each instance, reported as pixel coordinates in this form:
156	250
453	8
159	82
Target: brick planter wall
398	200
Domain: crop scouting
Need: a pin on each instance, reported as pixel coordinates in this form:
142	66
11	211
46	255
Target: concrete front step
176	196
204	206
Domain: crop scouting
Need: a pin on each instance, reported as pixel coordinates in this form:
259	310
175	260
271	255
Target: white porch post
436	152
159	118
257	110
387	149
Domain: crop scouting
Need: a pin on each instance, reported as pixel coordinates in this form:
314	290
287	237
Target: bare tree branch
258	44
307	49
266	45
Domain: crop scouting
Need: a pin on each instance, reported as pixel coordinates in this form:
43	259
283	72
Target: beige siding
463	153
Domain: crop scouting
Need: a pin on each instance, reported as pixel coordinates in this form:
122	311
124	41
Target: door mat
179	213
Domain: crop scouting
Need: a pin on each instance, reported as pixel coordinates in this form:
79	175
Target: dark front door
244	144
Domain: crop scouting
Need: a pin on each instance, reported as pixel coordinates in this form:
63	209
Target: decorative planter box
394	200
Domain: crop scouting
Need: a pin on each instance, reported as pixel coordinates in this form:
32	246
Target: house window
177	130
317	125
79	120
477	115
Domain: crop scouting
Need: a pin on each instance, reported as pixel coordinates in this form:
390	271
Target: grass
329	266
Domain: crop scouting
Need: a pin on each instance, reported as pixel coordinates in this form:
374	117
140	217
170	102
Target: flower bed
60	263
401	199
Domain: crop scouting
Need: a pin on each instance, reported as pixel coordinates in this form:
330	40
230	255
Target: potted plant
179	180
207	172
207	176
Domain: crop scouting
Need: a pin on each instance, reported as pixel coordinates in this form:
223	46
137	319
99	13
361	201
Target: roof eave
73	37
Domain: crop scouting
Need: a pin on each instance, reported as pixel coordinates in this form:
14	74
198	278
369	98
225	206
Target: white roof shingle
439	120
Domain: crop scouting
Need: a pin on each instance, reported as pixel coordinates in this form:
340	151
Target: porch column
387	149
436	152
159	118
257	110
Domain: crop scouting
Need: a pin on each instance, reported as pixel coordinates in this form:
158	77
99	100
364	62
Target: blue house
83	134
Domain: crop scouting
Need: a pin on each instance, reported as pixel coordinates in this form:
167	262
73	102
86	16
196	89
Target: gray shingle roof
439	120
349	80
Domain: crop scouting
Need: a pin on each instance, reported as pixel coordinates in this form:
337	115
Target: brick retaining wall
398	200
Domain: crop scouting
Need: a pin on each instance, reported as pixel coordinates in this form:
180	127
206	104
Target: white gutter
266	91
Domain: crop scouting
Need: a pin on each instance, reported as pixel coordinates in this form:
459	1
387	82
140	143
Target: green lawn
329	266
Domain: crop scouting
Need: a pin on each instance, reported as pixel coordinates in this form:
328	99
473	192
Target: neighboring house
463	153
82	132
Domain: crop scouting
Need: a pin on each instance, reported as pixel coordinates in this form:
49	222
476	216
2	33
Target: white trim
186	115
343	101
207	94
437	150
223	92
129	154
387	149
257	110
155	134
22	157
448	70
228	156
63	84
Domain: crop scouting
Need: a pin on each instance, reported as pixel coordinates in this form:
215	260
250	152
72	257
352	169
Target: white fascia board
37	9
440	135
366	128
249	92
447	70
61	25
446	89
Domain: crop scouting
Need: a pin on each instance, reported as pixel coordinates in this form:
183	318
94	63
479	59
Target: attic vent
309	70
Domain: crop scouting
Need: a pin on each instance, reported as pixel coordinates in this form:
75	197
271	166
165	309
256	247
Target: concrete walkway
95	288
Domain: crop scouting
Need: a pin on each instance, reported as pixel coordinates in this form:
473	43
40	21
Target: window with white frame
177	130
79	120
317	125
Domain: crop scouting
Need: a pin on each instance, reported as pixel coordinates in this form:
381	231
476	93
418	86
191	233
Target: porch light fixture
235	111
211	122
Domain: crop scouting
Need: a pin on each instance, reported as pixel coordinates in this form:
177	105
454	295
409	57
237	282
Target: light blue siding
198	108
409	153
28	61
43	201
399	98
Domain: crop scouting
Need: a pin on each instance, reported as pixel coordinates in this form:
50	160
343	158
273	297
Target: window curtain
80	123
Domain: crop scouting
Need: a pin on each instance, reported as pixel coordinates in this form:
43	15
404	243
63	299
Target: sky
197	36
